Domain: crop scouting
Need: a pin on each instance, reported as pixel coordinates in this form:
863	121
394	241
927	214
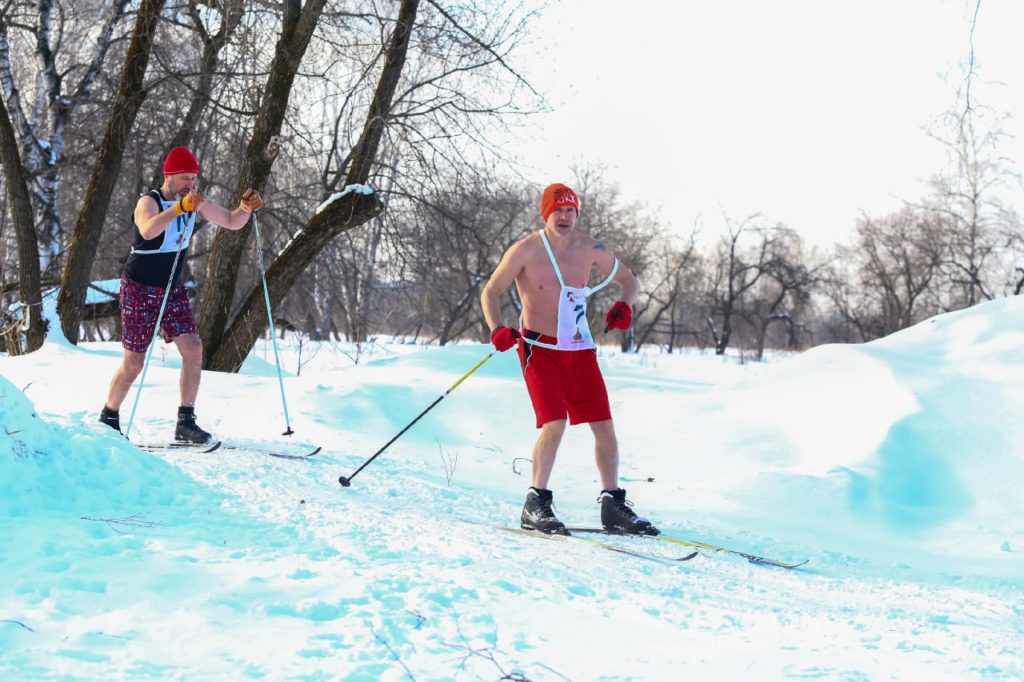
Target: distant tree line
303	99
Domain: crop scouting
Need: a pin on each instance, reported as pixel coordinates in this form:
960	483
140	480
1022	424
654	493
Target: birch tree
984	236
62	76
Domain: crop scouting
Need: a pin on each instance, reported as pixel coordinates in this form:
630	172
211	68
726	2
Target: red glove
619	317
504	338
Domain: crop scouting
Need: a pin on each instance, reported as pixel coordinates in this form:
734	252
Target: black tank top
150	260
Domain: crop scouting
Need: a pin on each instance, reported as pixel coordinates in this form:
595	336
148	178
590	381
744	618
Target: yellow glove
251	200
190	202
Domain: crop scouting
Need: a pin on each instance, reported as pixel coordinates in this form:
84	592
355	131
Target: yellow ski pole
346	481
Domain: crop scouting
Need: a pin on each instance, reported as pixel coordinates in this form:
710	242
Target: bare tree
671	289
982	231
783	295
735	271
358	257
229	349
435	146
89	225
30	316
297	25
889	283
65	73
460	228
422	115
213	42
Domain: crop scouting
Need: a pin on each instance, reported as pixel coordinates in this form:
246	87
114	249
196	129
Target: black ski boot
187	430
617	515
537	514
111	418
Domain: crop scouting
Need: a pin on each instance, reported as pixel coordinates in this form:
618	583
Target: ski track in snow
264	568
421	594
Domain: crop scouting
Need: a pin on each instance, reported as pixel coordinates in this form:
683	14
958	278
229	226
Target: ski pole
156	331
270	318
346	481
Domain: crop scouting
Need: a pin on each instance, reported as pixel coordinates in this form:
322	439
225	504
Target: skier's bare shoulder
579	256
535	272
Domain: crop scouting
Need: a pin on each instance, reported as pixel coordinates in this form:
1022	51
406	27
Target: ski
752	558
276	453
200	448
640	554
220	445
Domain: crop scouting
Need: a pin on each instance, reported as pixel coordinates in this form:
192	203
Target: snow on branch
359	189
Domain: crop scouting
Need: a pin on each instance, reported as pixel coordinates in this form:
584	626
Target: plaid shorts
140	306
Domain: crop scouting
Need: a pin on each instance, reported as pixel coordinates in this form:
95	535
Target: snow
358	189
103	291
895	467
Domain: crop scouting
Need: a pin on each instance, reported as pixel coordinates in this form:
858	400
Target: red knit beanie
557	196
180	160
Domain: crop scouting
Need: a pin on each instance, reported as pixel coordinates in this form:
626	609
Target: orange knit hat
557	196
180	160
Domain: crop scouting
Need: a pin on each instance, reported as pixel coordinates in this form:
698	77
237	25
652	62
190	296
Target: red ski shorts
140	306
563	383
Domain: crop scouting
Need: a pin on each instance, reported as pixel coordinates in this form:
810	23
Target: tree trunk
346	213
89	225
722	342
352	211
29	286
360	300
226	254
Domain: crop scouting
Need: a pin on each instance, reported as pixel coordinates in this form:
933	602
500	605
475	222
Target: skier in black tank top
163	223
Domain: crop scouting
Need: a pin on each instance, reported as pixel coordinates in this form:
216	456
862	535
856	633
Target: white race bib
573	328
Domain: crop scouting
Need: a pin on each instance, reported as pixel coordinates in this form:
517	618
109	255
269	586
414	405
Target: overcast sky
807	111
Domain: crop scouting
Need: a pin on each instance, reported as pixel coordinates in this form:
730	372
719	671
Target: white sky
805	111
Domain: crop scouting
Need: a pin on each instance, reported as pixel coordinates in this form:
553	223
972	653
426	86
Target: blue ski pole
270	318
